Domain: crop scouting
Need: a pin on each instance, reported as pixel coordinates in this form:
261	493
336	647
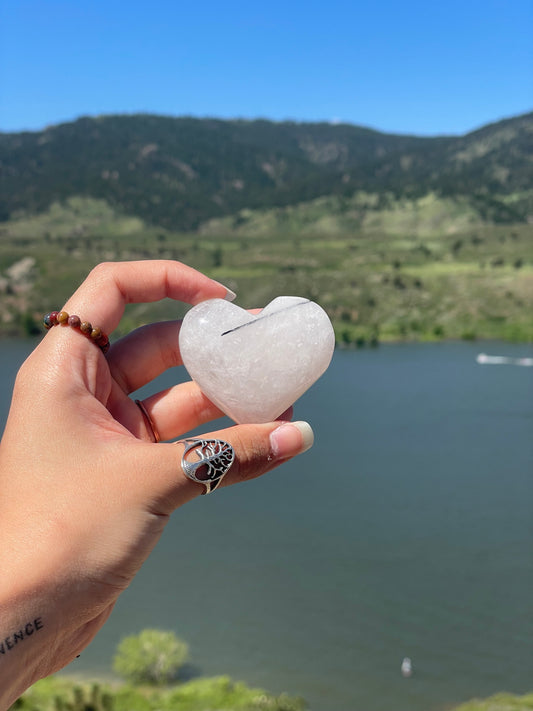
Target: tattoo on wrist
11	641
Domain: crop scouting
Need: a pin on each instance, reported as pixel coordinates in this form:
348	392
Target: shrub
94	700
151	657
224	694
468	335
63	694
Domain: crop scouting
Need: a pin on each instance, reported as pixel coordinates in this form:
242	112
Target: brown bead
104	344
62	318
74	321
86	327
96	333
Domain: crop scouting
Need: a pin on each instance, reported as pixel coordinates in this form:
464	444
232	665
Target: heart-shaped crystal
253	367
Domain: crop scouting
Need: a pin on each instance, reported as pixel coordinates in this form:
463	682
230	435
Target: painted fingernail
230	295
291	438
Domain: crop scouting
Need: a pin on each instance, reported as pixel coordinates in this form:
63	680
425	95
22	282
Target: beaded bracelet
93	333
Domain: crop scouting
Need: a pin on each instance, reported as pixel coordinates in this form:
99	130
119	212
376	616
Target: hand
84	491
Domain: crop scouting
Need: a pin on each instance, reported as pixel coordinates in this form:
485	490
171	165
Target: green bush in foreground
84	700
153	654
220	693
151	657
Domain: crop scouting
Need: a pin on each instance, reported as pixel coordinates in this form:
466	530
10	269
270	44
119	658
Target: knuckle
199	406
101	271
249	459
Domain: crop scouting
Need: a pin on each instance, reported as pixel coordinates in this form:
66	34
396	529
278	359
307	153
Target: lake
406	531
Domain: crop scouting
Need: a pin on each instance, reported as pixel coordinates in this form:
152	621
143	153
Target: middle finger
142	355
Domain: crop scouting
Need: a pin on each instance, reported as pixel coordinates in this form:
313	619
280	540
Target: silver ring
206	461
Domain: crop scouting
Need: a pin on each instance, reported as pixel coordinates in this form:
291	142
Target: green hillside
398	237
411	270
181	172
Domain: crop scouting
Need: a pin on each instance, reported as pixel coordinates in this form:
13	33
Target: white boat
407	667
484	359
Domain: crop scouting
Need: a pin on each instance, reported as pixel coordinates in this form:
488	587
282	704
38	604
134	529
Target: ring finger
142	355
179	409
170	413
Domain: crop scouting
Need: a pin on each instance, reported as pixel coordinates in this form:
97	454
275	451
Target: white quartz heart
253	367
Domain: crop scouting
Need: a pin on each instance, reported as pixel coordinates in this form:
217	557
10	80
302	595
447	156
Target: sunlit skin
84	491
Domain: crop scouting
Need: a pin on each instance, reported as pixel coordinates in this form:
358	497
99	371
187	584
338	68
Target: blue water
406	531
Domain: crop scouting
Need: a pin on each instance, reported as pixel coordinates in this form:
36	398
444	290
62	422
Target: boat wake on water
484	359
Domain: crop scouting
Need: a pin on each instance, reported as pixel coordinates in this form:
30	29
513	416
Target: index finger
111	285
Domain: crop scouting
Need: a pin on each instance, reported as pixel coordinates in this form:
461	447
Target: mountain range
179	173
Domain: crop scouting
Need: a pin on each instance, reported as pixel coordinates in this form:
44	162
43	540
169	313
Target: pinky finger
256	450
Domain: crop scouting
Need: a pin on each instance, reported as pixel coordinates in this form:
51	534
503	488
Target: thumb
257	449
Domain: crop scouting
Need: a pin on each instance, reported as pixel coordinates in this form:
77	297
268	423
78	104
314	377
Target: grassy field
65	694
383	269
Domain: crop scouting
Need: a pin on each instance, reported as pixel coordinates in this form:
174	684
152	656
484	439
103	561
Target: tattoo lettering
10	642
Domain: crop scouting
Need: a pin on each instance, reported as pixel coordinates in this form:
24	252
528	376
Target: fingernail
230	295
291	438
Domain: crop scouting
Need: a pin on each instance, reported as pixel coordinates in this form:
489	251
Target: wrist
28	622
22	645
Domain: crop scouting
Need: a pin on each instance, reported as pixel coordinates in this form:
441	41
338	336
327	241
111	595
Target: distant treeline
180	172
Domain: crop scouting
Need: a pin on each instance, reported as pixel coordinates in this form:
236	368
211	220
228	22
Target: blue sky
407	67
